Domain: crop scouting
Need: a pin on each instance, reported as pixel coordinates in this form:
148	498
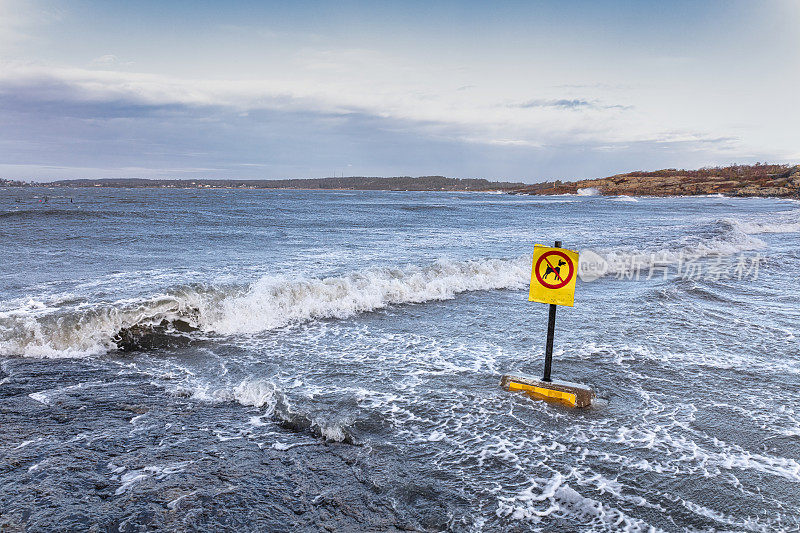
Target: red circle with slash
563	280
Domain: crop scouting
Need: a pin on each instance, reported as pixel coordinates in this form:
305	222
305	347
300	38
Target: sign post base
572	394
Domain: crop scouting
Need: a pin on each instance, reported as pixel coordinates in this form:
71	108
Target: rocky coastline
782	181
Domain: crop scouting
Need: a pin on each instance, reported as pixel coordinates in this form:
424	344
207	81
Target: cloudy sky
508	90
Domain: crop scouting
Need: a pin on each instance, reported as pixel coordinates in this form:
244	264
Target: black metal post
551	329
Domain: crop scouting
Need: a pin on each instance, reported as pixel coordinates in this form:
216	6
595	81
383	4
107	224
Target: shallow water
298	360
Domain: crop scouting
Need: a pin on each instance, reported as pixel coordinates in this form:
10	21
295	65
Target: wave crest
275	301
176	319
724	238
778	225
269	303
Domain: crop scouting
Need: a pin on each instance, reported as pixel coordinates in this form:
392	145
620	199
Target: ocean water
330	360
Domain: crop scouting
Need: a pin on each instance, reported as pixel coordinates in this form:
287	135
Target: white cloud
110	60
21	21
475	118
14	25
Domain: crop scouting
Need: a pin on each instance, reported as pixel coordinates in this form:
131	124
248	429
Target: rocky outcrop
739	180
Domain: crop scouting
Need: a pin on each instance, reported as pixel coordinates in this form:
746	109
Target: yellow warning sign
553	276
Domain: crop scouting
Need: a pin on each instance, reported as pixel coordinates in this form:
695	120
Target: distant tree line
403	183
741	173
734	172
12	183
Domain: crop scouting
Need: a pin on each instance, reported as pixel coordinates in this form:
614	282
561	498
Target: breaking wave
723	238
779	225
623	198
271	302
185	314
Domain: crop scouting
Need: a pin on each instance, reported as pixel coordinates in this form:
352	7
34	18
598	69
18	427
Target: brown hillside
737	180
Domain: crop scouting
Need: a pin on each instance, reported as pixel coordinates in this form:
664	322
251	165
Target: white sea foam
746	524
332	432
256	393
127	480
271	302
588	191
86	330
39	397
276	301
712	458
731	240
265	395
554	496
623	198
28	443
251	392
45	396
132	477
776	225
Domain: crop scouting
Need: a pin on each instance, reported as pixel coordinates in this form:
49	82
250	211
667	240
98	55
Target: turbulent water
297	360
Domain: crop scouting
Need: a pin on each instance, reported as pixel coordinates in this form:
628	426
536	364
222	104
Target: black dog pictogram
556	270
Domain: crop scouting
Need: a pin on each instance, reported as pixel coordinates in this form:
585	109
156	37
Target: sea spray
276	301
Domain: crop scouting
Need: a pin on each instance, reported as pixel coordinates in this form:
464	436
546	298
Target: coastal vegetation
402	183
760	179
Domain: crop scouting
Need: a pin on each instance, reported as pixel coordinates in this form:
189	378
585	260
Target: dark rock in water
182	326
167	334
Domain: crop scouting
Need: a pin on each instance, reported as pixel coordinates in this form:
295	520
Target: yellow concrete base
572	394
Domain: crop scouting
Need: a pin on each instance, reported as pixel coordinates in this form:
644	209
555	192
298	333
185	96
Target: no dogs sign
553	275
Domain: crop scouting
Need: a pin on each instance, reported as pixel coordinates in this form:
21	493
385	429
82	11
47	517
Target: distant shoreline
404	183
760	180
